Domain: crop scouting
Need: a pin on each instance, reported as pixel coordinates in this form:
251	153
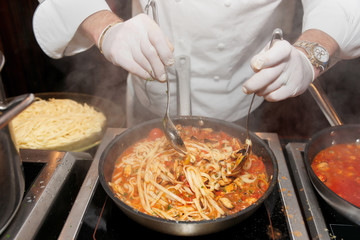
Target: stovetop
101	219
64	200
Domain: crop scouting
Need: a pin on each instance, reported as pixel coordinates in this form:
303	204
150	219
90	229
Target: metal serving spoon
170	130
277	34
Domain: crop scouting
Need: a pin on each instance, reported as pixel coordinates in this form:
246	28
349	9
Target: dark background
28	69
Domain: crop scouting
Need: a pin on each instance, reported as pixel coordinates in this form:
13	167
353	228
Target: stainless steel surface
39	198
312	212
292	209
183	68
73	222
324	103
12	182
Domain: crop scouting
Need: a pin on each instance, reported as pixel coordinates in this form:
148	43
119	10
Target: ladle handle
152	4
2	90
325	105
182	65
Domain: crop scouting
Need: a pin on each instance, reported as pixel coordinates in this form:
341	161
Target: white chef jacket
219	36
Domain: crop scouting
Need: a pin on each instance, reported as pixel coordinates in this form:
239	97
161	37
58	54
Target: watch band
317	54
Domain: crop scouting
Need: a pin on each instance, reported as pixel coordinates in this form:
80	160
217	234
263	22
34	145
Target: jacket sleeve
56	23
338	18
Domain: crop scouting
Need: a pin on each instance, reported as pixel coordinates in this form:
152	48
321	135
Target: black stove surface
104	220
339	227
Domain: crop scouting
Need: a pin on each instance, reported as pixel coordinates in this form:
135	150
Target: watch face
321	54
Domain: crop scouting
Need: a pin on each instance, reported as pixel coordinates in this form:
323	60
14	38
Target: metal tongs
170	130
242	154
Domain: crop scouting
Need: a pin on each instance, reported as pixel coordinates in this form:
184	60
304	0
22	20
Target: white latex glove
139	46
281	72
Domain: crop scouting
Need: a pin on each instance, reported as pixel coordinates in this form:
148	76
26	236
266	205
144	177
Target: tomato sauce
338	167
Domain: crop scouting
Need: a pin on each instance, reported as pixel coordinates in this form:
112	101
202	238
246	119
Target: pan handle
182	65
11	110
325	105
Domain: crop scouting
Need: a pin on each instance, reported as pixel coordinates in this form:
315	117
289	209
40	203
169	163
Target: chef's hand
140	47
280	72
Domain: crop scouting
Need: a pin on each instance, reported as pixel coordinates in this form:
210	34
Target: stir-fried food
153	178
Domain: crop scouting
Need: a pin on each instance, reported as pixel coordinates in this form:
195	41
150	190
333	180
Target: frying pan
336	134
115	117
184	228
324	139
131	135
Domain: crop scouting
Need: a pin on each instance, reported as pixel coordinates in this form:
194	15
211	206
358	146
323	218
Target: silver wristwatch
317	54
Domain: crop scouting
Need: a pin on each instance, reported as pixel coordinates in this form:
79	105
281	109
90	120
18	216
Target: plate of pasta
187	195
65	121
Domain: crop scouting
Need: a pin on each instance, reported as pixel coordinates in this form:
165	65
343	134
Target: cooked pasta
153	178
53	123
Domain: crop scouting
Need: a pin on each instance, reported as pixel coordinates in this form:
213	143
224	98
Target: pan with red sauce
338	167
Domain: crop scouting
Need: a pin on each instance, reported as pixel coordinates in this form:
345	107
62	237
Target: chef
226	40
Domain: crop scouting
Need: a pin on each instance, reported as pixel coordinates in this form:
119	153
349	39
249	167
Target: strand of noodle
167	173
211	183
163	214
198	181
208	197
197	186
144	202
149	175
117	181
187	215
132	183
198	146
223	174
190	180
215	205
201	212
167	192
157	198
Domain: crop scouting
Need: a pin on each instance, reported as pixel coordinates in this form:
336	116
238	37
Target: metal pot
336	134
184	228
11	175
